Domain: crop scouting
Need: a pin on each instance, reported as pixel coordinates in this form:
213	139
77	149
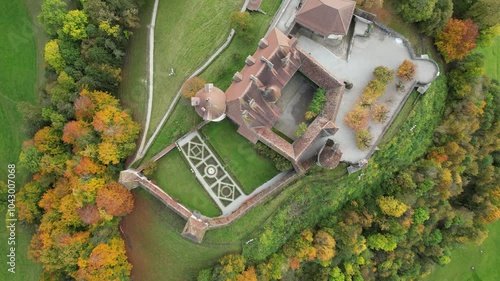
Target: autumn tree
384	74
27	202
357	119
74	24
115	199
53	55
325	246
106	262
380	113
192	86
241	21
150	168
363	139
392	206
407	70
247	275
88	214
230	266
457	39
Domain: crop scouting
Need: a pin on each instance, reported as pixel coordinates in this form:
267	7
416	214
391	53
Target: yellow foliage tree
392	206
53	55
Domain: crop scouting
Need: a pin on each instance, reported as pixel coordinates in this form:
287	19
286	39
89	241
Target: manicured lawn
133	87
155	245
240	155
187	32
492	58
18	82
486	263
174	176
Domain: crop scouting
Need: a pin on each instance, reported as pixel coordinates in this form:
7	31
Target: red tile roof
254	5
327	17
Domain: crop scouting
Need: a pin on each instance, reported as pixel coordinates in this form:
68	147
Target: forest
80	136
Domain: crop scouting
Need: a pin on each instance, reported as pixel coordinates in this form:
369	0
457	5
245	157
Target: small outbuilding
210	103
328	18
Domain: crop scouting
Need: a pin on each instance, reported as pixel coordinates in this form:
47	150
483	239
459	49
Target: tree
420	215
407	70
106	262
440	15
27	202
74	25
89	214
115	199
301	129
380	113
52	15
231	266
485	13
241	21
391	206
457	39
363	139
192	86
150	168
369	4
53	56
247	275
357	119
384	74
325	246
416	10
385	242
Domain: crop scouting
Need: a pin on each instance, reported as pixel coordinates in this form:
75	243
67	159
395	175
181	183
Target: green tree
420	215
485	13
440	15
383	74
52	15
416	10
385	242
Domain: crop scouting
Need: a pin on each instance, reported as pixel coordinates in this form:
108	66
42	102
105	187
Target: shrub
363	139
383	74
318	102
281	163
192	86
380	113
357	119
301	129
309	115
150	168
406	70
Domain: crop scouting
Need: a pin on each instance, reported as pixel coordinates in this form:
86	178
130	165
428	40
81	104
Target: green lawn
187	32
240	156
173	175
486	263
18	82
492	58
155	245
133	88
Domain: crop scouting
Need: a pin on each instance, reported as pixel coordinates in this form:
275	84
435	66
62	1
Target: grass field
240	156
18	82
155	245
486	263
187	32
173	175
133	88
492	58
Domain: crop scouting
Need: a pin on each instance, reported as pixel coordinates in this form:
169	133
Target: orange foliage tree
357	119
457	39
192	86
115	199
406	70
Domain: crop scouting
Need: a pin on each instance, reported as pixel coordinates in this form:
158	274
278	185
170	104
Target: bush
281	163
317	104
150	168
383	74
406	70
357	119
301	129
363	139
192	86
309	115
380	113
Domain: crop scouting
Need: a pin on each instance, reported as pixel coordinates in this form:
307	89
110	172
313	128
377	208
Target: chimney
269	64
237	77
250	60
263	43
255	80
195	101
209	87
286	60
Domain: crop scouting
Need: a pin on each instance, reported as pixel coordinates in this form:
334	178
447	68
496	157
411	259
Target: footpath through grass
187	33
173	175
240	155
485	260
18	80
